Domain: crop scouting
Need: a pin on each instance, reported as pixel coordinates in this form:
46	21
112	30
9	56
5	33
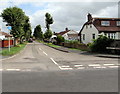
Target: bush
100	44
60	39
48	34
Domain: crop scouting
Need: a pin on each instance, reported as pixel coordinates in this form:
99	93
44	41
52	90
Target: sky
66	13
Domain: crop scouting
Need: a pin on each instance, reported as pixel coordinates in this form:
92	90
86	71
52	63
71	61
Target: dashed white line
108	64
45	53
93	65
81	68
13	69
40	49
1	69
113	66
65	66
78	65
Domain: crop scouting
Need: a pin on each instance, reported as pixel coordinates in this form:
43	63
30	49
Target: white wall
65	36
118	35
89	31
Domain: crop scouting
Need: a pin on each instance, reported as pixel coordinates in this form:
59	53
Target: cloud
71	14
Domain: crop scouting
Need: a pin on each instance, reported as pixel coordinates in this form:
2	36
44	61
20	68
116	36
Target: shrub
100	44
60	39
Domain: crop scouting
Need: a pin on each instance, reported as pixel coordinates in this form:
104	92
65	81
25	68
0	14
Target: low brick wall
75	45
5	43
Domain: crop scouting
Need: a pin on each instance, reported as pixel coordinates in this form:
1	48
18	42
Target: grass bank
52	45
13	50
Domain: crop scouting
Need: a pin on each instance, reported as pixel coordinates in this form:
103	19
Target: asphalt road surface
39	68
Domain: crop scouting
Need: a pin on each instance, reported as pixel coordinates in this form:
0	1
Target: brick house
69	34
94	27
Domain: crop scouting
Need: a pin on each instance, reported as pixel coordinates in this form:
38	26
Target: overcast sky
71	14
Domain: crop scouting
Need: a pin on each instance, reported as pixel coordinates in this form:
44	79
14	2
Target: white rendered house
94	27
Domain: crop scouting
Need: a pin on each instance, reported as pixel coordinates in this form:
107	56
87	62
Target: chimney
66	29
89	17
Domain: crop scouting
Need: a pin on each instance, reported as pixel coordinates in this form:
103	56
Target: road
40	68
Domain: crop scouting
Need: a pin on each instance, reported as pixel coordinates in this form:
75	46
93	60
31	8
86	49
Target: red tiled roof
63	32
5	34
108	28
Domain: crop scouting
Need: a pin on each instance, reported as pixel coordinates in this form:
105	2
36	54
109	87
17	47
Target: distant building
94	27
69	34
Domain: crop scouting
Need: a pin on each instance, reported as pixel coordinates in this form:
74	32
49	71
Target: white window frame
105	23
118	23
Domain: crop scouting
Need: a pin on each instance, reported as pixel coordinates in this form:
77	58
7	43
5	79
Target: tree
60	39
14	16
48	20
48	34
38	34
27	28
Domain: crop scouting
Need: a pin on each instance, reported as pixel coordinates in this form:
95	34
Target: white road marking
113	66
40	49
93	65
78	65
108	64
54	61
65	66
13	69
81	68
1	69
100	67
45	53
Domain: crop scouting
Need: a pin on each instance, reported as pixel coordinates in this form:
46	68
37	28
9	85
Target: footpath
68	50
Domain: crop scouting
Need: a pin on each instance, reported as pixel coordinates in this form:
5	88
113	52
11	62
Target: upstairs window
118	23
93	36
83	36
105	23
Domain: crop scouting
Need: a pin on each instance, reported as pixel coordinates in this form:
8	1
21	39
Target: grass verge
52	45
13	50
78	49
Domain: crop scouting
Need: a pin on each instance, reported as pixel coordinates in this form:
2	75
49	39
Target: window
112	36
93	35
118	23
105	23
83	36
108	35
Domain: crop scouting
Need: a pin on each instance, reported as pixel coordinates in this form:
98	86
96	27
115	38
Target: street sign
9	27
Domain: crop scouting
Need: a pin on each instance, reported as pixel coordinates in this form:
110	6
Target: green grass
52	45
13	50
78	49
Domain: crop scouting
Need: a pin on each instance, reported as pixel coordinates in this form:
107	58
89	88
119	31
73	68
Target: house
4	35
94	27
4	41
69	34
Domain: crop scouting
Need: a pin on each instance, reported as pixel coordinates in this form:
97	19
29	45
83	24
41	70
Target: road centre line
40	49
45	53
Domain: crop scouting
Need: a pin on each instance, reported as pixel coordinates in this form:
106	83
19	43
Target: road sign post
9	28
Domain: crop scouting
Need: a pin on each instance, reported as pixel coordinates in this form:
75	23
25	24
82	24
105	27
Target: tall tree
38	34
49	20
14	16
27	28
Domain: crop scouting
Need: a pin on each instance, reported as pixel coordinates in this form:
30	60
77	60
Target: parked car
30	40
